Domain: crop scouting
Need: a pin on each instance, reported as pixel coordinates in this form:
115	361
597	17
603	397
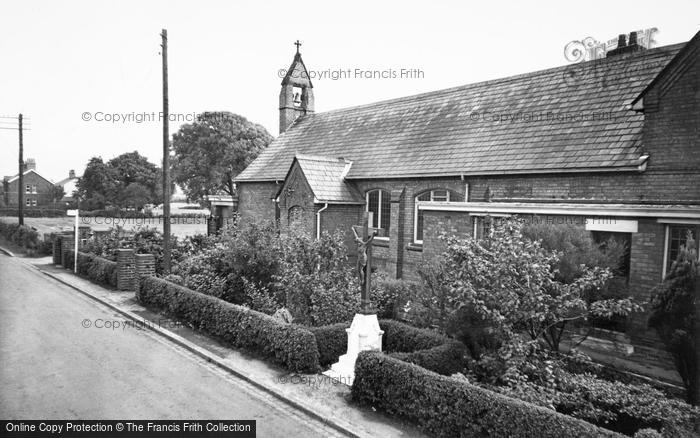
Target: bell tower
297	94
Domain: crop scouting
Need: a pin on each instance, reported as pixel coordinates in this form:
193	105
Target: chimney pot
621	40
633	39
71	174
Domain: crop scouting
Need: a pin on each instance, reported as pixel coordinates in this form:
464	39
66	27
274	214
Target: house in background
610	145
69	185
38	190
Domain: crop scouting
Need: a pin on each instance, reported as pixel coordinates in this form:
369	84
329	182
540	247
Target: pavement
313	400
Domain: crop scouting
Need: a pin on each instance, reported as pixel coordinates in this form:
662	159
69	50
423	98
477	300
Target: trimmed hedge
445	359
331	342
291	345
33	212
446	407
97	269
423	347
403	338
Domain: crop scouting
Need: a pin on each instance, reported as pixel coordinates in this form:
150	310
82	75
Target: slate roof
326	177
567	119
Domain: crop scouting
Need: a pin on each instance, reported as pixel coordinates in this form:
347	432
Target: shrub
403	338
291	345
674	317
446	359
319	284
447	407
21	235
388	293
473	330
331	341
97	269
624	407
33	212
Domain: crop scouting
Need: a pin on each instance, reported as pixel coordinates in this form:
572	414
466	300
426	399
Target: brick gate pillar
125	269
145	266
57	250
67	250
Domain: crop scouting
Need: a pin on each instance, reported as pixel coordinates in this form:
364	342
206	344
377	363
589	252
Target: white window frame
33	188
34	203
28	189
667	241
379	210
27	202
415	213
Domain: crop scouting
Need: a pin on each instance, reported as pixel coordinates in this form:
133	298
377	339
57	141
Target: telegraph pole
166	157
20	184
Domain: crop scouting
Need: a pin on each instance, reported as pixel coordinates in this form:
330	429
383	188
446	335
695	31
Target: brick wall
255	200
342	218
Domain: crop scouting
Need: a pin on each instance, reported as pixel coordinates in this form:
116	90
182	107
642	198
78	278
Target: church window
379	207
438	195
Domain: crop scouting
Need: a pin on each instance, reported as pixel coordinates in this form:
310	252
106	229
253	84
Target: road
53	368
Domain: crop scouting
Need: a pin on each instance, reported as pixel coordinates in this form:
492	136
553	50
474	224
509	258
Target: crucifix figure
298	44
364	262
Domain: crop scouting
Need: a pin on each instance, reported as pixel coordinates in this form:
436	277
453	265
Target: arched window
378	204
295	216
437	195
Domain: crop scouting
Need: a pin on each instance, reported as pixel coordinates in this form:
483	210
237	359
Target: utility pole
20	186
166	157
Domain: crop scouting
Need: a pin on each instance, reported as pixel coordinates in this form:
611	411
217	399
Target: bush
403	338
33	212
446	359
331	341
291	345
447	407
388	293
675	320
21	235
97	269
623	407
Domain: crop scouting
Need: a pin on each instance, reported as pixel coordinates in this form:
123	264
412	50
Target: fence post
145	266
125	269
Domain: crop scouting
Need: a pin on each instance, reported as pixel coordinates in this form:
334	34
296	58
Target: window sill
382	242
415	247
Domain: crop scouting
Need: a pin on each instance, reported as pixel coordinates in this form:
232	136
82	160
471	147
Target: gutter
318	221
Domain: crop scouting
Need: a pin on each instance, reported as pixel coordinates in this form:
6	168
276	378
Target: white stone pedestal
363	334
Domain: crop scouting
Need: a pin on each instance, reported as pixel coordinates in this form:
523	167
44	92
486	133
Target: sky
64	62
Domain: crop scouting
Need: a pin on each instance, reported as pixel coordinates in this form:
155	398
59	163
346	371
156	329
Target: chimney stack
621	40
624	47
71	174
633	39
29	164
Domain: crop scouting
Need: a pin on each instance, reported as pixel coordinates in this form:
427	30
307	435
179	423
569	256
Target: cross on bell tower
298	44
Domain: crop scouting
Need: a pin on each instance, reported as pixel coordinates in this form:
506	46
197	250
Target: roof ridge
647	52
320	158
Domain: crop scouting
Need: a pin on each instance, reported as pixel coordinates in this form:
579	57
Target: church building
611	144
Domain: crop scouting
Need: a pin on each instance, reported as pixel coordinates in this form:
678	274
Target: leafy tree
128	180
210	152
674	315
57	192
96	186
